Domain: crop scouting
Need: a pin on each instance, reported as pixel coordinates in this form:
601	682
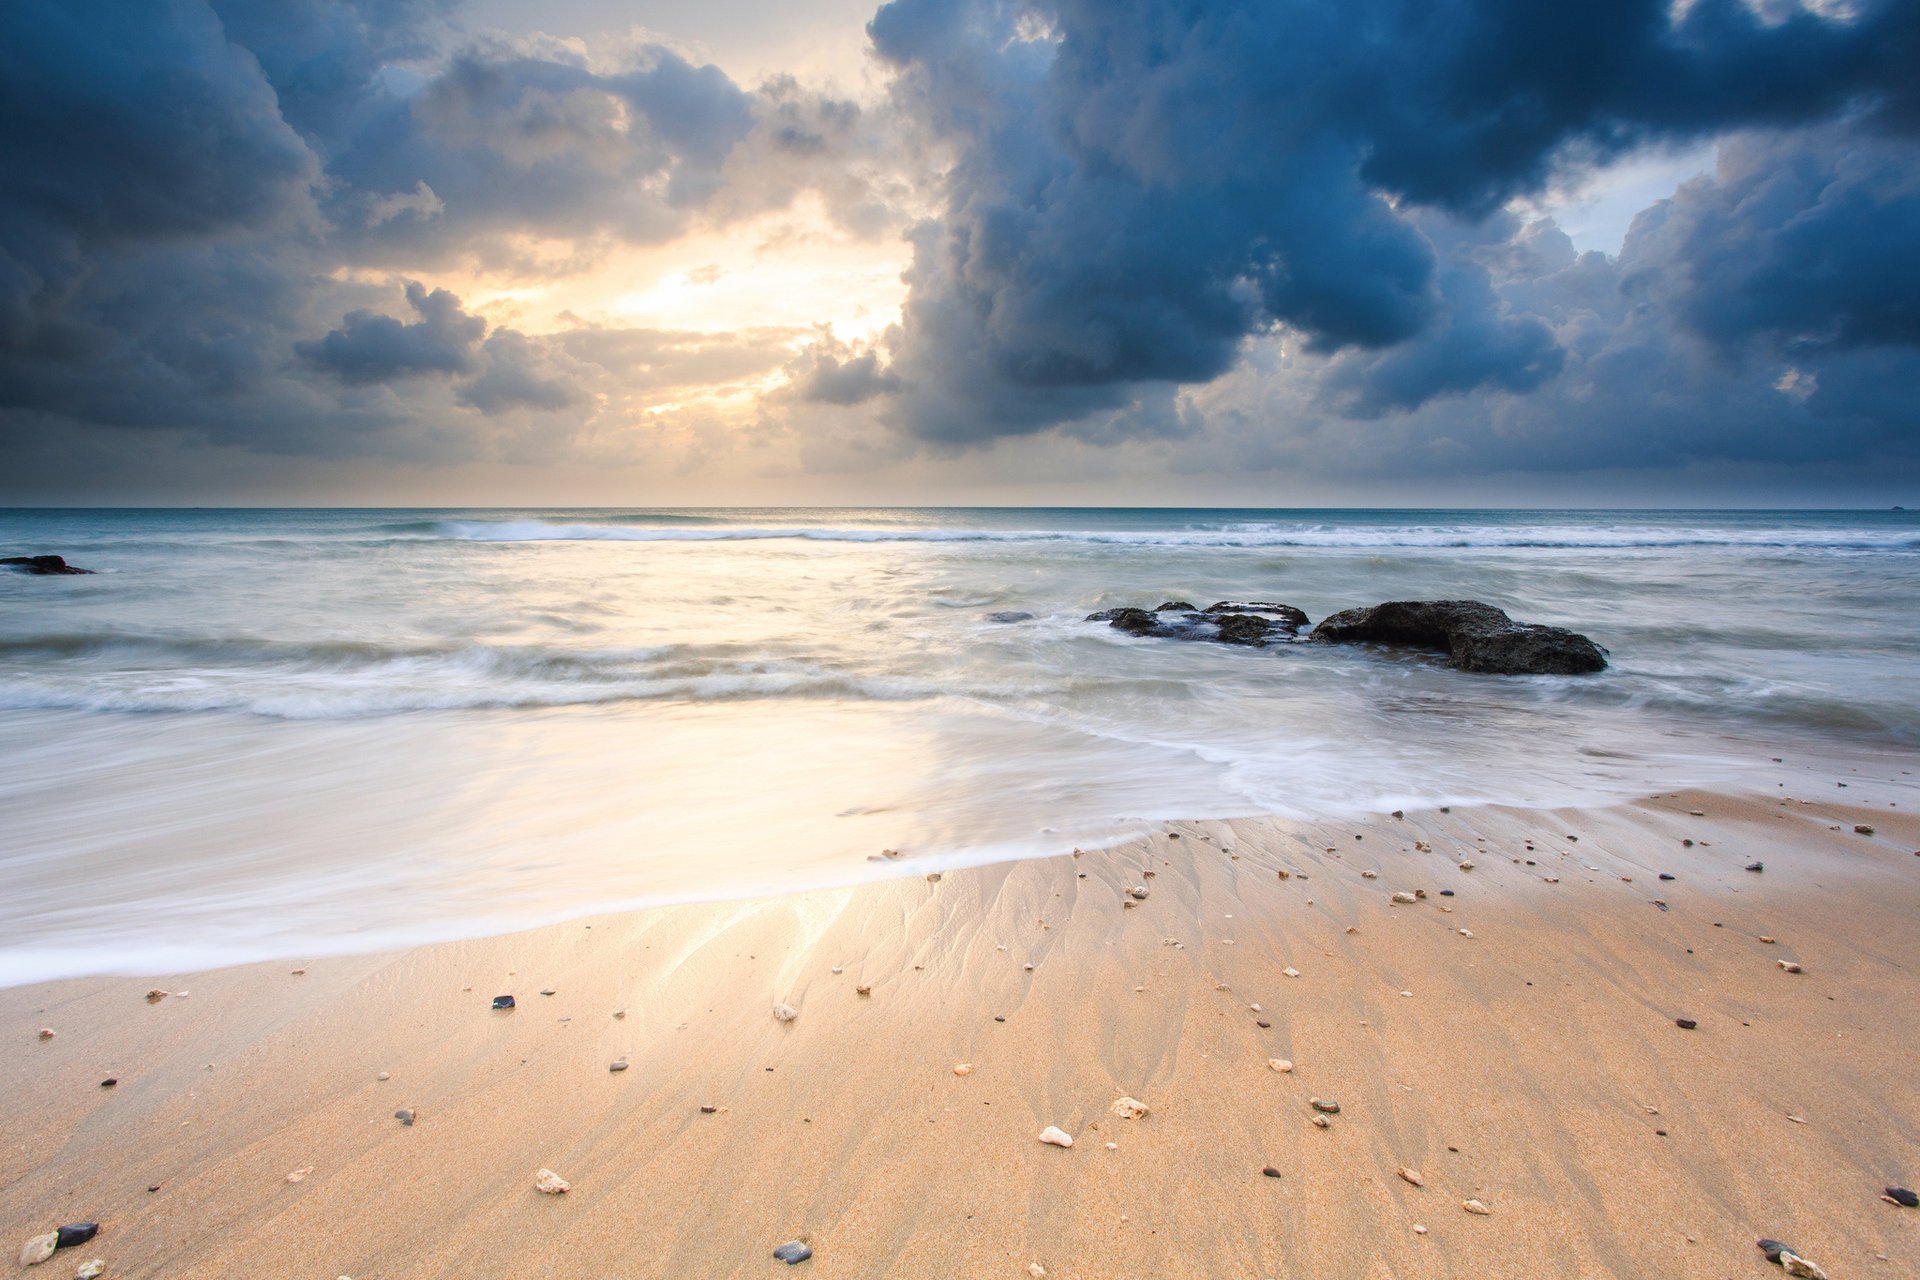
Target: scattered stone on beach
1665	876
1326	1105
1685	1024
75	1233
1138	893
547	991
91	1270
963	1068
618	1064
42	566
863	990
1789	965
1767	938
1466	933
503	1002
793	1252
1419	1230
1054	1136
1903	1197
784	1012
1128	1108
547	1182
1410	1175
405	1116
1787	1260
1466	864
1321	1122
1475	1207
1291	972
1270	1172
110	1082
1037	1271
1282	1065
39	1249
1366	875
1862	829
1756	866
300	1174
156	995
1405	898
46	1033
1475	636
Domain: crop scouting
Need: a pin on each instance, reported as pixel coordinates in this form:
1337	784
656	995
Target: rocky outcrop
1475	637
41	565
1254	623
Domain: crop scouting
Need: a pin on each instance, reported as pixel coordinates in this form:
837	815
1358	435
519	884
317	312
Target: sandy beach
1512	1042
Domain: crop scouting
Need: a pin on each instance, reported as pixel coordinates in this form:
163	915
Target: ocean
260	734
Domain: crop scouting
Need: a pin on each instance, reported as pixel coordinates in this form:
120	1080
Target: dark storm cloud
1139	187
370	347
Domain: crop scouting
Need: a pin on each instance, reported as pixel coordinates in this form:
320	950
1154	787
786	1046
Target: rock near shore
1475	637
41	566
1254	623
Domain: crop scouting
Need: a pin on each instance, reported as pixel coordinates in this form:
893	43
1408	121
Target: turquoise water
289	732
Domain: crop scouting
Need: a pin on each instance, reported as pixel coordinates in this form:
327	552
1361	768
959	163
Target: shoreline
1520	1071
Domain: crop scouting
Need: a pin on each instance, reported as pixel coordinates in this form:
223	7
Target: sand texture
1534	1066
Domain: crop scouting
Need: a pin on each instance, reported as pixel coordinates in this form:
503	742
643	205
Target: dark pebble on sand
1271	1172
1685	1024
1660	904
793	1252
77	1233
503	1002
1756	866
109	1082
1446	893
1262	1025
1687	843
1903	1197
1773	1249
999	1017
1665	876
1659	1133
709	1109
405	1116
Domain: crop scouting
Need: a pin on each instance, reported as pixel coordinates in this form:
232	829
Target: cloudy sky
1261	252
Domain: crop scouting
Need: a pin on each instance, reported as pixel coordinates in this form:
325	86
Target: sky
1165	252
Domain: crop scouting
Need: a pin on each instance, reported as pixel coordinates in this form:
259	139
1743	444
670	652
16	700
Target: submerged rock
1009	615
41	566
1254	623
1474	635
793	1252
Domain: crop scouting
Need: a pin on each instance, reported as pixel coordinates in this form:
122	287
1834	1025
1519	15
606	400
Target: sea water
271	733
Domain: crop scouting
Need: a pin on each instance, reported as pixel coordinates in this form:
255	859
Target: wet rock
75	1233
1862	829
1903	1197
405	1116
1685	1024
784	1012
1326	1105
1128	1108
1475	637
1270	1172
39	1249
1475	1207
41	566
503	1002
1254	623
1054	1136
793	1252
1009	615
1756	866
547	1182
110	1082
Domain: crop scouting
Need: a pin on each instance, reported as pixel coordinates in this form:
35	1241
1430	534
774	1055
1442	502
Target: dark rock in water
1009	615
503	1002
77	1233
1903	1197
1756	866
793	1252
1474	636
41	566
1254	623
1685	1024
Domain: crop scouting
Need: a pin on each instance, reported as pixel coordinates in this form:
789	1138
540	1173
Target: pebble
1902	1197
1263	1024
405	1116
863	991
39	1249
1281	1065
793	1252
503	1002
963	1068
1404	897
1788	965
383	1076
1410	1175
1767	938
1027	967
1113	1146
1466	866
1466	933
1370	875
1291	972
109	1082
1271	1172
550	1183
1327	1105
1795	1265
707	1109
1475	1207
1862	829
75	1233
1321	1122
1419	1230
1254	1008
1128	1108
1034	1269
1054	1136
1138	893
46	1033
618	1064
1685	1024
547	991
1756	866
837	969
91	1270
784	1012
156	995
1665	876
300	1175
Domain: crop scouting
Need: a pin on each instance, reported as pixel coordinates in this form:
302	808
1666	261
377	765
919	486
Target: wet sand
1534	1066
